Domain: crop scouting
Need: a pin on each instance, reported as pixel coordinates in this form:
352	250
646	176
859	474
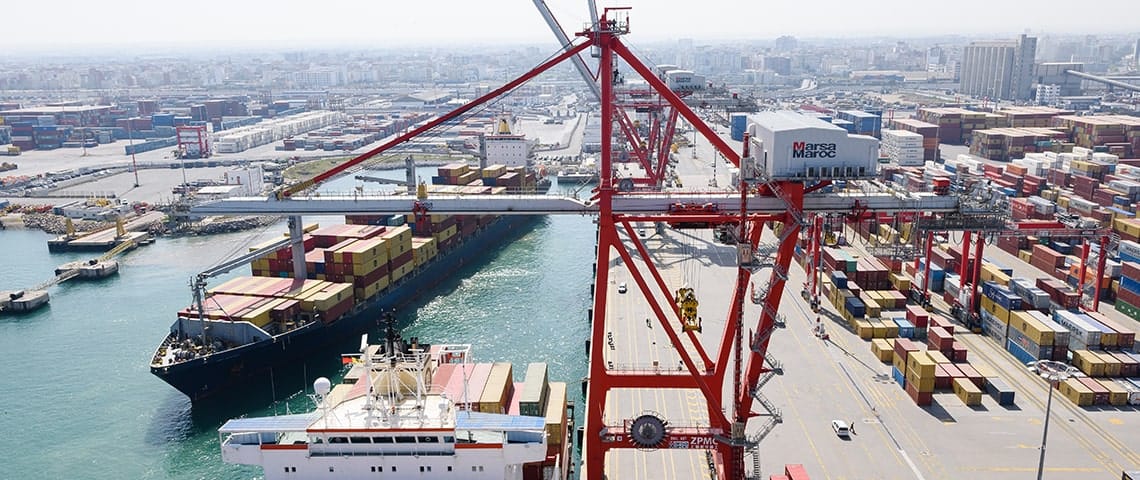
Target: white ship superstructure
383	423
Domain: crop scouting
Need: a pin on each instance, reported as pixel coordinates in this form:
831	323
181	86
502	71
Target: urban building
1053	73
1048	94
1000	69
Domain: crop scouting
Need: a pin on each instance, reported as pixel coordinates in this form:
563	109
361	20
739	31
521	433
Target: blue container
906	329
839	279
991	290
844	124
898	376
1001	392
1019	353
1124	257
994	328
855	307
162	120
1061	247
1130	284
1008	301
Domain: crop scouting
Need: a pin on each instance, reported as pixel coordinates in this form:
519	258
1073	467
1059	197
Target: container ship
411	410
354	271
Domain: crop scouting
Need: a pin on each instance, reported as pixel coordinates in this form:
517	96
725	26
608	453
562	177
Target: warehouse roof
785	120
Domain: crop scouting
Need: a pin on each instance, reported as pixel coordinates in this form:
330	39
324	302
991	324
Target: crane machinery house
789	145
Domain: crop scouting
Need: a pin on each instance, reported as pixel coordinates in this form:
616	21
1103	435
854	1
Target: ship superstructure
389	418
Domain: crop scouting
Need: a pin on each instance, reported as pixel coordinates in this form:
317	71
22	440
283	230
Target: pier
23	301
106	239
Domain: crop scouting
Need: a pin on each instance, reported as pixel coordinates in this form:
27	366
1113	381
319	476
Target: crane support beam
554	205
1104	80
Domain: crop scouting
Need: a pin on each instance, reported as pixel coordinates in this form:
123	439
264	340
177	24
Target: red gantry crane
760	202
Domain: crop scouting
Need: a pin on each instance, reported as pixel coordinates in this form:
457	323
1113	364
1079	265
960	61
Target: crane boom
337	170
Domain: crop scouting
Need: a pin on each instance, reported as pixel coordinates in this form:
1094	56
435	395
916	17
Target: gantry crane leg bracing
727	417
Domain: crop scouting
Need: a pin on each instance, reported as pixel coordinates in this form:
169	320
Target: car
641	233
841	428
622	288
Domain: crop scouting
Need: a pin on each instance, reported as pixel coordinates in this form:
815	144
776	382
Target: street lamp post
1054	373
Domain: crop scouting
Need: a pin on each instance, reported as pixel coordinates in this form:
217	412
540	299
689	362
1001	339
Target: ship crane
740	349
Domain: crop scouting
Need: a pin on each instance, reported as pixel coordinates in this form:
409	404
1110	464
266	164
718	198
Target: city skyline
289	24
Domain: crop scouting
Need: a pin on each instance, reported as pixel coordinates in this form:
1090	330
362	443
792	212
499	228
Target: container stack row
922	372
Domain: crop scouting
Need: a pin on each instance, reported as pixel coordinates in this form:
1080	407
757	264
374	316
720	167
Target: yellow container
864	329
1025	255
1088	362
923	384
882	349
871	308
938	357
921	364
990	273
878	330
900	282
1117	395
1111	364
899	362
1036	331
1076	392
891	327
969	393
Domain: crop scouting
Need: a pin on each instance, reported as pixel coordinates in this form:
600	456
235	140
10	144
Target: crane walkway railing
556	204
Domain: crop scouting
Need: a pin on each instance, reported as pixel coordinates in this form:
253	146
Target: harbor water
77	399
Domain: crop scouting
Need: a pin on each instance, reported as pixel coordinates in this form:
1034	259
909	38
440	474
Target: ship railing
645	368
370	452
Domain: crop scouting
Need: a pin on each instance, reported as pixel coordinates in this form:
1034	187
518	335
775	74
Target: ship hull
211	375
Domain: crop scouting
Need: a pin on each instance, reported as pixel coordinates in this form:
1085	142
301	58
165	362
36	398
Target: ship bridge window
360	439
382	440
448	439
405	439
428	439
338	439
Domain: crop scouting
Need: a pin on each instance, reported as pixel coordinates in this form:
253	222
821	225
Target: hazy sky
57	25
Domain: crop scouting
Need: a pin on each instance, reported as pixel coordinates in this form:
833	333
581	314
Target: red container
941	377
1100	394
917	316
921	399
1060	353
795	471
972	374
959	352
939	339
1130	269
904	346
939	321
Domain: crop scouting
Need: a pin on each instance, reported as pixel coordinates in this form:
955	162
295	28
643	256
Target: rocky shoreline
57	224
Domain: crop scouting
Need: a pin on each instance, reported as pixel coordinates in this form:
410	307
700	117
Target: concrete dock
108	238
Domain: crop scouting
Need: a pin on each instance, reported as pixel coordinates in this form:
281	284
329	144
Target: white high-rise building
999	69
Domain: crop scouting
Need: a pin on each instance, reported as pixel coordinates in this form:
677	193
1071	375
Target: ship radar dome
322	386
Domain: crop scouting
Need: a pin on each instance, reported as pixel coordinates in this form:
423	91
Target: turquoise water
77	399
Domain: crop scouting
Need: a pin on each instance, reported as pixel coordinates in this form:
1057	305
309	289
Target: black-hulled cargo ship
251	324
